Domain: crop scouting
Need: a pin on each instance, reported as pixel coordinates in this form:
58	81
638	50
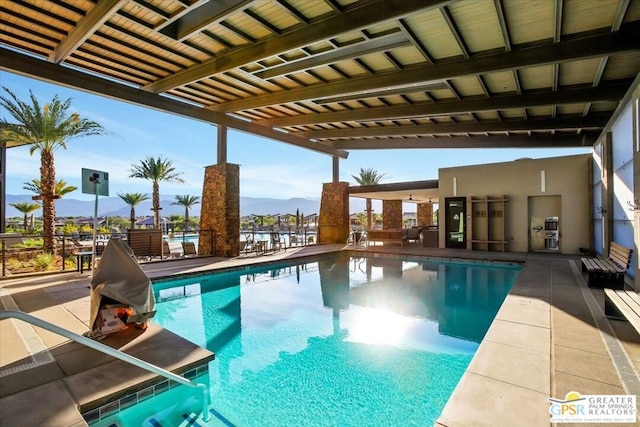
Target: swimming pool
331	341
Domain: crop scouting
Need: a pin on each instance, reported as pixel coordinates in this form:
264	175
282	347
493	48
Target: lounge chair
189	248
411	235
172	249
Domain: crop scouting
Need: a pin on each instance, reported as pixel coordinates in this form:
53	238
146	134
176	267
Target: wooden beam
496	141
426	109
201	17
389	41
352	20
85	28
52	73
587	47
589	122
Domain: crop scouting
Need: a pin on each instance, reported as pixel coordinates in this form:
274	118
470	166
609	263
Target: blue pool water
336	341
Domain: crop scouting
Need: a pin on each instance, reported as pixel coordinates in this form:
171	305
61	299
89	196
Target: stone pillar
220	211
391	214
425	214
333	224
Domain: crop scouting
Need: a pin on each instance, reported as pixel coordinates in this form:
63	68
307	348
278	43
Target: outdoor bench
386	236
608	272
622	305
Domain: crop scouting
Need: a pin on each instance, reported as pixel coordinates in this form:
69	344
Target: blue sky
267	168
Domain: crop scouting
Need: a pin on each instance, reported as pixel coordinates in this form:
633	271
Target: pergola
340	75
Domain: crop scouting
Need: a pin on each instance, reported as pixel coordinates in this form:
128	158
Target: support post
222	144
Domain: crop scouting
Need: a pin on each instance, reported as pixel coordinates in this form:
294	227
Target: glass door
455	226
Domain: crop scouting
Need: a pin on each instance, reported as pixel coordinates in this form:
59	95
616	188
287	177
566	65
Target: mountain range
114	206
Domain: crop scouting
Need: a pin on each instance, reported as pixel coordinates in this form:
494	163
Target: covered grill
120	291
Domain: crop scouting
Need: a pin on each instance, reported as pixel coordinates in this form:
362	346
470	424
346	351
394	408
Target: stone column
425	214
333	224
220	211
391	214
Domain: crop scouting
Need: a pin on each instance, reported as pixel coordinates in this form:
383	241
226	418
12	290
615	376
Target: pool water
334	341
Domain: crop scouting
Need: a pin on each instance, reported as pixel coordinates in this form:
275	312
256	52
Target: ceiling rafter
260	20
351	20
202	15
593	122
582	48
339	54
96	16
293	11
406	29
504	27
492	141
502	102
448	19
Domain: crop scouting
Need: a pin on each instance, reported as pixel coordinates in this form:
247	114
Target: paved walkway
550	337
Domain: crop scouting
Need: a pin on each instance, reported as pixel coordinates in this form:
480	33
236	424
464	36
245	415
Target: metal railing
5	314
14	250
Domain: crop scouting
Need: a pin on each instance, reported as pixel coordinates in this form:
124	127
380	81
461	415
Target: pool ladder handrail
88	342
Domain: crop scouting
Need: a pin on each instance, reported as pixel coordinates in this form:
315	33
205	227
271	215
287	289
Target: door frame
447	209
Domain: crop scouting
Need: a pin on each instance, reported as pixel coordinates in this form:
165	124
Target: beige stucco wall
567	177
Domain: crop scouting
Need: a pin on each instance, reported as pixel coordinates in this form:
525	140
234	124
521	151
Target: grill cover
118	277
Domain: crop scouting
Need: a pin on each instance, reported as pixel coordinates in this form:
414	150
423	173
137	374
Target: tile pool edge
134	397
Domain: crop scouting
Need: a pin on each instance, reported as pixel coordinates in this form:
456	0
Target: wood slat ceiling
336	75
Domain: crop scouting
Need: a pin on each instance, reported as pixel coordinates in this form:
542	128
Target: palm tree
187	201
26	208
46	128
156	170
132	199
368	177
62	188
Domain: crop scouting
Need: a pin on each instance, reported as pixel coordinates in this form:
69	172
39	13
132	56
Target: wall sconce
635	205
601	210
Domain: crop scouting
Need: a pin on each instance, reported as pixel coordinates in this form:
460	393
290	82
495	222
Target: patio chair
411	235
172	249
259	246
276	242
189	248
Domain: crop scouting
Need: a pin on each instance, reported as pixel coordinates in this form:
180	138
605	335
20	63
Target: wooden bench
623	305
608	272
386	236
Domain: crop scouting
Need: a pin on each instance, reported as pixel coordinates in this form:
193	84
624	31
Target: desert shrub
44	261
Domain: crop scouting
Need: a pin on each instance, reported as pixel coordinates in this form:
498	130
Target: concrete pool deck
549	337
